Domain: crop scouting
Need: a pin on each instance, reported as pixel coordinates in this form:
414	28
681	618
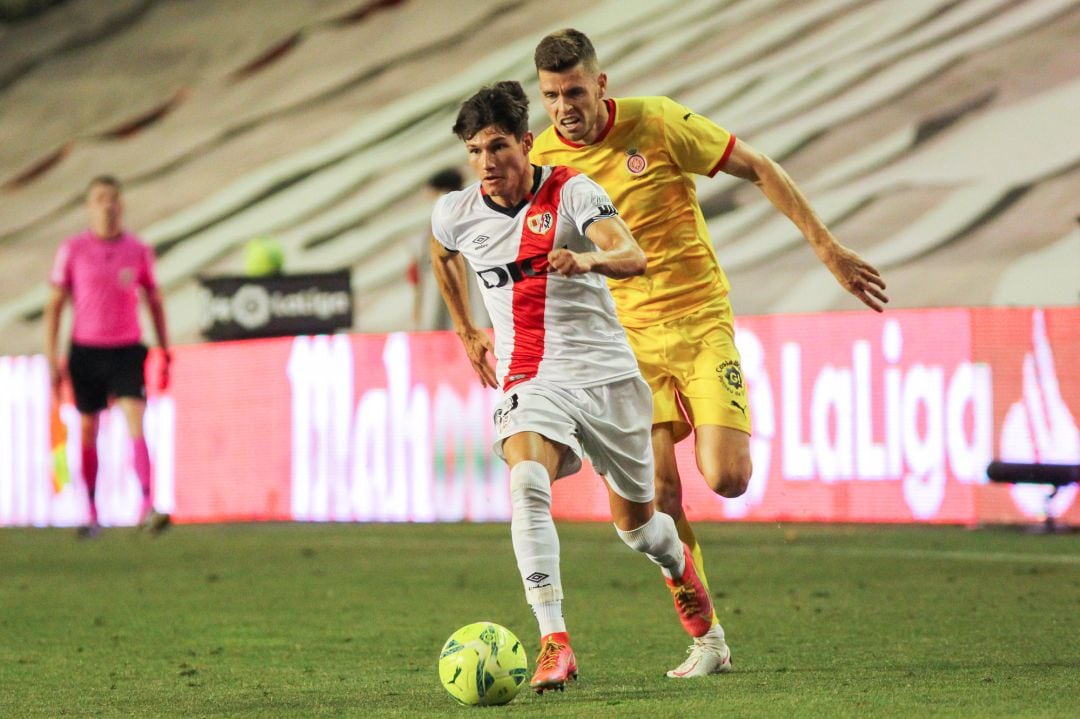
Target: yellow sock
686	534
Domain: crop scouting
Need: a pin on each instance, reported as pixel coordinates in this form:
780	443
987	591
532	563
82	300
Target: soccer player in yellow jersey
645	152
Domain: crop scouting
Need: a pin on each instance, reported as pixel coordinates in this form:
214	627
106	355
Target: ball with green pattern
483	664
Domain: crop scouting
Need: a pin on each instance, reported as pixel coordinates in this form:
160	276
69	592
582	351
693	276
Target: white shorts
610	424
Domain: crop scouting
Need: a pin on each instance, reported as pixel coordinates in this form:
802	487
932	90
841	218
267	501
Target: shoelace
686	598
549	658
691	657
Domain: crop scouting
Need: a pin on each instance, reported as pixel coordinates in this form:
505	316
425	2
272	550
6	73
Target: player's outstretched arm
451	277
619	255
854	274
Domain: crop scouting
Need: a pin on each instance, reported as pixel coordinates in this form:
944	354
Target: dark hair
503	105
563	49
107	180
447	180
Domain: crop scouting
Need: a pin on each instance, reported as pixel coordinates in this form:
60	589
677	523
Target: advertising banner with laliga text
857	418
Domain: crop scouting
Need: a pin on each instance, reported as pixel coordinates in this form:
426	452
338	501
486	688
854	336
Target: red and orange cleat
692	600
556	663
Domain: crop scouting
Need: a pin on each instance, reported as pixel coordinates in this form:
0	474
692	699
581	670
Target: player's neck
108	233
600	125
512	198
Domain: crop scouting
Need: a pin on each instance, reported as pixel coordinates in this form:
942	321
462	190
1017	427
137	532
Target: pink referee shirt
103	277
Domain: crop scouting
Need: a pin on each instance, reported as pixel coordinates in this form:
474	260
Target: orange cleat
556	663
692	600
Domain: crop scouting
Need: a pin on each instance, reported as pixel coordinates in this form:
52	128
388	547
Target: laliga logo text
923	434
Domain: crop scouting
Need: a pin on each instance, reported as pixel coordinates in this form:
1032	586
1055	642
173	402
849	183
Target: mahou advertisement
857	418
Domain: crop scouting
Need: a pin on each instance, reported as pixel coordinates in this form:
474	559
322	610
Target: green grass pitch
284	620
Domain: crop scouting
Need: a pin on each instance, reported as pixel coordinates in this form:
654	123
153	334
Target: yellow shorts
692	366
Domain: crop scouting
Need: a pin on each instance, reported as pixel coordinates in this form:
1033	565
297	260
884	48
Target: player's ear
601	83
527	142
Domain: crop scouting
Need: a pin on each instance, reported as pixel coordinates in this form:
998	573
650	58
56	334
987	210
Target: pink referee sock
141	457
89	473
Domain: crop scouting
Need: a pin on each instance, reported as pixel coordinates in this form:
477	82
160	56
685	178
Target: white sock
658	539
536	544
714	636
549	617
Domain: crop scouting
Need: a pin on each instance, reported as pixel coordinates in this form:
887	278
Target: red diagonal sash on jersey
530	292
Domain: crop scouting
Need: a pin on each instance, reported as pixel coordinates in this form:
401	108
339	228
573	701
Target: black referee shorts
100	372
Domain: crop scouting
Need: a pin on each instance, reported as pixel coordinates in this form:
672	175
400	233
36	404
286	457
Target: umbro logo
536	577
481	240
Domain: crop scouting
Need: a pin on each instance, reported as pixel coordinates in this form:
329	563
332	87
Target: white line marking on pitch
952	554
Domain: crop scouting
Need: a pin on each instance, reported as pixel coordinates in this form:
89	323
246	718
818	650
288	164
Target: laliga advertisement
857	418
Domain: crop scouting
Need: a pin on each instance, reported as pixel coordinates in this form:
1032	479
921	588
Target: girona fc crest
635	161
541	222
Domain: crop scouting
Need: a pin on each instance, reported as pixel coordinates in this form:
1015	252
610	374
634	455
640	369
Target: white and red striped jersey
559	329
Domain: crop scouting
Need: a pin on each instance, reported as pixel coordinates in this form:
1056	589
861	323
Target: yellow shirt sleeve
696	143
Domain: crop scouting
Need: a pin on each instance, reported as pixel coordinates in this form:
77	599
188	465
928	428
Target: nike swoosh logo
687	116
683	674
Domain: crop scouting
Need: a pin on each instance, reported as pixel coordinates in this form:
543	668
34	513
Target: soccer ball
483	664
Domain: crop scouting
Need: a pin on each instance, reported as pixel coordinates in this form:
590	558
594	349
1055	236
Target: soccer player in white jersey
542	241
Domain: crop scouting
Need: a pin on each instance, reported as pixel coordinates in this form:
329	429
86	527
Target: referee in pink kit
101	270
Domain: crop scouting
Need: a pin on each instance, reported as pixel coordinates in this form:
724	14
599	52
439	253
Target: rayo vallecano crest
541	222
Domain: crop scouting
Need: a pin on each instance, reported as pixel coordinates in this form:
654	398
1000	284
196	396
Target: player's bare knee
731	481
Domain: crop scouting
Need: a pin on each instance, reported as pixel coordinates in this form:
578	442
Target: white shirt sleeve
440	223
586	202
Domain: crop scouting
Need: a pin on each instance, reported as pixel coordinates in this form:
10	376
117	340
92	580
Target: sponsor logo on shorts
635	161
502	414
729	373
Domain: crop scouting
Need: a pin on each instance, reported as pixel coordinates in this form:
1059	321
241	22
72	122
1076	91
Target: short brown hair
502	105
564	49
107	180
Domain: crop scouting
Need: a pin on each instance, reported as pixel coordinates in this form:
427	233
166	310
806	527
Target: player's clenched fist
568	263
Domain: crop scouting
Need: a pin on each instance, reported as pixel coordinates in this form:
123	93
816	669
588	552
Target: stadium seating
935	137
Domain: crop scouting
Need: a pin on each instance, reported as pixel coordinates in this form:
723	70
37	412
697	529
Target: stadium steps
305	134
